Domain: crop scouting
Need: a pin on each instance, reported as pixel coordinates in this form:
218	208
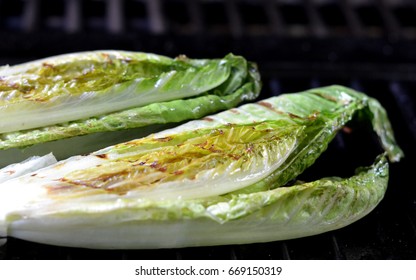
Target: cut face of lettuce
220	180
96	92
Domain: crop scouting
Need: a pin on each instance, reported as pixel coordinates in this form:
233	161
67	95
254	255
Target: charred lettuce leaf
220	180
81	96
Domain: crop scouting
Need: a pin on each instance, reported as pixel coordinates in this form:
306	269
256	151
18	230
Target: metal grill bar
285	252
195	16
337	252
352	18
114	16
412	224
316	25
234	18
30	15
156	19
277	26
391	24
73	18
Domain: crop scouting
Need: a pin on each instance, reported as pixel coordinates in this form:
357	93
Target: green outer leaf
382	127
282	213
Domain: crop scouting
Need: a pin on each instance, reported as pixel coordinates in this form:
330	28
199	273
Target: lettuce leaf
226	174
76	95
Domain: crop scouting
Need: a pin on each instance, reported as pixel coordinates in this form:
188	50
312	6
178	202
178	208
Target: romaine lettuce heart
89	97
219	180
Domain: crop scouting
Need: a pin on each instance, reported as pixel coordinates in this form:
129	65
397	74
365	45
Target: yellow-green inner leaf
231	157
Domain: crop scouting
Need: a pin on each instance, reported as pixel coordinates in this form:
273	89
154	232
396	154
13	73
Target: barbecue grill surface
365	45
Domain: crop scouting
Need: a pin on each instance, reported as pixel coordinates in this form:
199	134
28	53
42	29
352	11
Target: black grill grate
320	18
367	45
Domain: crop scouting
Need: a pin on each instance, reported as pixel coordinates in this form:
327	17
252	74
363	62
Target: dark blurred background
369	45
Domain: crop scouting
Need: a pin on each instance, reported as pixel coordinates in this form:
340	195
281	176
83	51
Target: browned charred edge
208	119
266	104
250	148
314	116
163	139
178	172
270	107
220	131
102	156
325	96
48	65
158	166
57	189
72	183
105	55
235	111
291	115
213	149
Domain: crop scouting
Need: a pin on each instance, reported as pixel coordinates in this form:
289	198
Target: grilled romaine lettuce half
220	180
91	93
